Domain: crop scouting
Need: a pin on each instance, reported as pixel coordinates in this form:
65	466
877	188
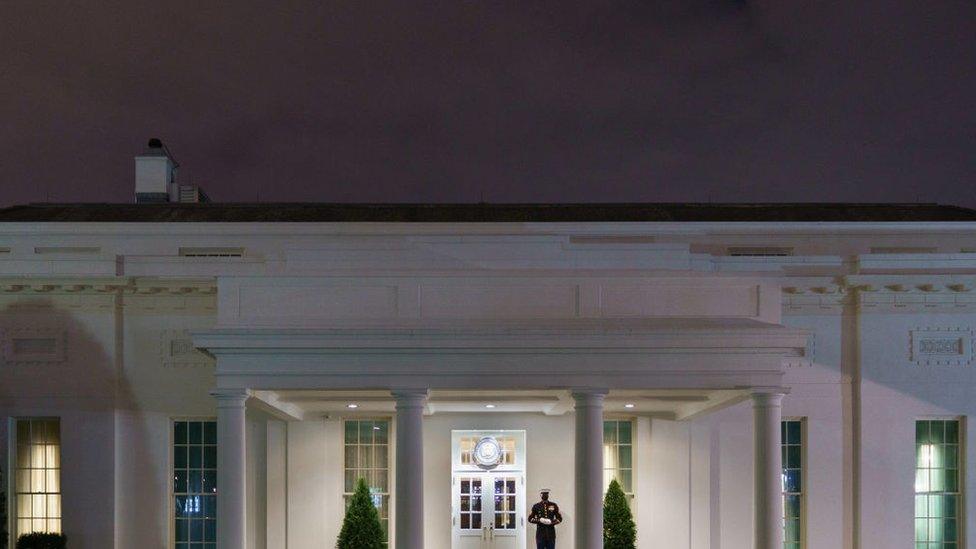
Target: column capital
231	398
588	396
408	398
768	396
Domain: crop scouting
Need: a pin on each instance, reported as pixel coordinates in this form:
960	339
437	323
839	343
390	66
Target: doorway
488	489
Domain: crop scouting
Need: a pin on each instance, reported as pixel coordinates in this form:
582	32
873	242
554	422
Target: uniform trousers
545	544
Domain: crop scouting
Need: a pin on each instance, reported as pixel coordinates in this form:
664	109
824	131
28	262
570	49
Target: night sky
467	101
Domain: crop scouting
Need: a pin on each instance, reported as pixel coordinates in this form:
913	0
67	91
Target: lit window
792	444
195	484
506	447
618	454
938	496
38	476
367	443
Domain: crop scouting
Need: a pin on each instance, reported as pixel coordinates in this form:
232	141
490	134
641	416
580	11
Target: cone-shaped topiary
619	531
361	528
39	540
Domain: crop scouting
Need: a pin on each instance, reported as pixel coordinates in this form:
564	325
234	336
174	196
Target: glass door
489	509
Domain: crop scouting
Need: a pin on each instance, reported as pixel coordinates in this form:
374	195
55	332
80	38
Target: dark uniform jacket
549	510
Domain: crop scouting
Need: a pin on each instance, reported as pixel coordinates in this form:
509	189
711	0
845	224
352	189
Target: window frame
171	468
961	466
804	468
390	469
632	494
11	472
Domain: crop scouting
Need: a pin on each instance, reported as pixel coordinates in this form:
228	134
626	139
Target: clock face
487	453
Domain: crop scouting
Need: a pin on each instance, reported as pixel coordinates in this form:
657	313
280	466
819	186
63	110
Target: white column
768	520
231	467
409	496
589	468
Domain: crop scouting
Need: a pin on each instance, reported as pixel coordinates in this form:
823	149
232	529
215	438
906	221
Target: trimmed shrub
361	528
39	540
42	540
619	531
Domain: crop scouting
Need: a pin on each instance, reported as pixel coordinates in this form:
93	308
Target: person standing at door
545	515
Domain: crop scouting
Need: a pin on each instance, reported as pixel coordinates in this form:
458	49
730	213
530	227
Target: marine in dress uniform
545	515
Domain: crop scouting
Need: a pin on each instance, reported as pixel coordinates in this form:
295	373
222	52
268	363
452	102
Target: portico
677	368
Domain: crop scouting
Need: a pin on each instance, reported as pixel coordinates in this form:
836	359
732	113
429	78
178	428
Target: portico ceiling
677	404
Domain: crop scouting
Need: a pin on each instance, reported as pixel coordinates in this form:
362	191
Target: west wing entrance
488	489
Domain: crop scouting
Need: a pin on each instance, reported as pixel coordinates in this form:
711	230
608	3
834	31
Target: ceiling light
629	405
489	405
352	406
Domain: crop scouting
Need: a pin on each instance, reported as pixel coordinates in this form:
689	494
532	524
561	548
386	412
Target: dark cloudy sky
670	100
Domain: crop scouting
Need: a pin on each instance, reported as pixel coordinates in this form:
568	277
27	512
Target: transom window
792	445
618	454
38	476
938	497
195	484
367	449
506	443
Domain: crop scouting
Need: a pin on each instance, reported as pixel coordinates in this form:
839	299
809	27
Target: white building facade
205	376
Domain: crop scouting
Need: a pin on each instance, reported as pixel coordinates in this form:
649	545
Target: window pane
194	482
367	456
624	432
937	497
792	452
37	481
618	454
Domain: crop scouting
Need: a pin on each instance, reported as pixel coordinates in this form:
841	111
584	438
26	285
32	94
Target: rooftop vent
903	250
760	251
212	252
86	250
156	177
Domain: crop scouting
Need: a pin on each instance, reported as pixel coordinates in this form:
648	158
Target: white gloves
545	521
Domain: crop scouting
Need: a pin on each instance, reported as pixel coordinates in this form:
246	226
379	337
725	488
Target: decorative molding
33	346
879	294
176	350
96	285
947	346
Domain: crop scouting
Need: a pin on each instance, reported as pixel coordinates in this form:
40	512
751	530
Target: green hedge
39	540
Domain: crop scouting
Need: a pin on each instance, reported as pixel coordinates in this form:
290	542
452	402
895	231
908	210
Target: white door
488	499
489	510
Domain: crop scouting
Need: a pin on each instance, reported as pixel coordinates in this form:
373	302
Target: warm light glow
629	405
352	406
489	405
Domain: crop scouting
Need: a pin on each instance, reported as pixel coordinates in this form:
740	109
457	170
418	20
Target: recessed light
489	405
629	405
352	406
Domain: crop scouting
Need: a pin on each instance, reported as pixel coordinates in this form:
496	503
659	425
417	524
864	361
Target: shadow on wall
64	363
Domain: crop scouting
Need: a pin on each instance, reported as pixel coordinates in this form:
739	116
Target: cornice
101	286
880	294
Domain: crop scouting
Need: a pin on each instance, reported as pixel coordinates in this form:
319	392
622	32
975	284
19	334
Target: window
195	484
618	454
792	445
506	444
938	496
368	457
38	476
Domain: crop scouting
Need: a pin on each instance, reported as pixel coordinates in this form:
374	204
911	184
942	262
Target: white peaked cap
541	490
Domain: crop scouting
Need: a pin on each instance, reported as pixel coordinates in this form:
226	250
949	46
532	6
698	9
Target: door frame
516	469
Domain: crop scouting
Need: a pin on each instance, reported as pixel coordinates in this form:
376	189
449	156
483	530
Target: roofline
346	228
